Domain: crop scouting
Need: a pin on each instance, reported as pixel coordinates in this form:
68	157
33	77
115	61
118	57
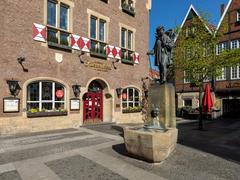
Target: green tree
195	54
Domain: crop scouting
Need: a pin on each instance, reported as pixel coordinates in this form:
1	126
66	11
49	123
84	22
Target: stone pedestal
162	96
151	146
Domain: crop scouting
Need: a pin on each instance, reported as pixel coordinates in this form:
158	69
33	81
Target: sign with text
74	104
11	105
98	66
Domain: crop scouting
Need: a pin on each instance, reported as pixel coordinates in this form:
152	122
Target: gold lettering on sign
98	66
233	85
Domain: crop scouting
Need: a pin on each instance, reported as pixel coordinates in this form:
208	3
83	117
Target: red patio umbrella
207	102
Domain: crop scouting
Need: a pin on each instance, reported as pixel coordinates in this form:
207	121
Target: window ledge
131	111
46	114
127	9
99	55
59	46
126	61
237	23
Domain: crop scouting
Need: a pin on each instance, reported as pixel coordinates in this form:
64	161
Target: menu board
74	104
11	105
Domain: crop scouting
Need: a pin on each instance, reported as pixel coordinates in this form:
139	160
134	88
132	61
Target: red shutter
75	42
39	32
136	58
84	44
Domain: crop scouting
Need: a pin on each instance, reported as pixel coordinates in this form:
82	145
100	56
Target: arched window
46	96
130	98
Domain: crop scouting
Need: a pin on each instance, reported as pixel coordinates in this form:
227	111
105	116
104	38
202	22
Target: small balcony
98	49
127	56
58	39
127	7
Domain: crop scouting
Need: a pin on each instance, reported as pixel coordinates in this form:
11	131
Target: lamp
20	60
76	89
13	87
119	91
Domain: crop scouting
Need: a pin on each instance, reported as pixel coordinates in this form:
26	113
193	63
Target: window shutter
113	52
84	44
75	42
136	58
109	51
39	32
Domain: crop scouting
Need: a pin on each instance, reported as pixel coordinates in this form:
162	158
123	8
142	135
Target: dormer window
128	6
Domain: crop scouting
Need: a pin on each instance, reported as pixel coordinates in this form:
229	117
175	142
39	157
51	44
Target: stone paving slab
183	164
40	139
22	135
79	167
50	149
11	175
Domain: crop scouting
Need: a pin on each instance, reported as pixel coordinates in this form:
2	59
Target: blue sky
170	13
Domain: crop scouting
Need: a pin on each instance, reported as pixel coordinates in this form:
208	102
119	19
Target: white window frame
126	39
238	15
237	44
98	20
134	3
221	47
223	76
40	101
186	81
238	72
133	101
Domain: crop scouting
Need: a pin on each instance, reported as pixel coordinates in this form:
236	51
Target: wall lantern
76	90
119	91
13	87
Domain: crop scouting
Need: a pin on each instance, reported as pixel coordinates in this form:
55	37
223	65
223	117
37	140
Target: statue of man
163	51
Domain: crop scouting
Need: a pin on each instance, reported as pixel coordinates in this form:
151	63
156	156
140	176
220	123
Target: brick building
227	86
69	62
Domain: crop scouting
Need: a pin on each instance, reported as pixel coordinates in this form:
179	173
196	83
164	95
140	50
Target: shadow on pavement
219	137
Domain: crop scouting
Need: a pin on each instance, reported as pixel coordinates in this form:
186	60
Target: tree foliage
195	52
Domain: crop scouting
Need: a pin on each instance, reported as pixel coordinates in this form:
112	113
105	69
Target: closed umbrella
207	102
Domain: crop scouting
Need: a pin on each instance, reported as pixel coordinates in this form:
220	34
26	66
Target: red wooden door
93	106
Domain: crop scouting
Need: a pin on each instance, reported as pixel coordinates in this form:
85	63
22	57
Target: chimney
222	8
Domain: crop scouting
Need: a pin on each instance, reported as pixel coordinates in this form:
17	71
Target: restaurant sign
233	85
98	66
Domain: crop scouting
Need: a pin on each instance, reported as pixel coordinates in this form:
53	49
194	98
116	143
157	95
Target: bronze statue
163	51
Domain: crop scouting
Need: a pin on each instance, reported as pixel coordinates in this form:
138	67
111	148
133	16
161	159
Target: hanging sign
59	93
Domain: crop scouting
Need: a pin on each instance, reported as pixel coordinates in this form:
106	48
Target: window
130	98
234	44
57	23
98	36
190	31
127	45
238	15
43	96
186	78
187	103
223	76
235	72
221	47
128	6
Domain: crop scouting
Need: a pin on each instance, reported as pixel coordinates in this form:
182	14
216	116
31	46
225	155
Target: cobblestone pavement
98	153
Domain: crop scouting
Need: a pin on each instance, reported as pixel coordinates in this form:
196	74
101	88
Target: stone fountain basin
152	146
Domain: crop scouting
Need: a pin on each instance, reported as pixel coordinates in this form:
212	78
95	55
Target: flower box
46	114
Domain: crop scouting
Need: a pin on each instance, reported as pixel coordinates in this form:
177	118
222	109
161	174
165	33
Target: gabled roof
223	15
190	12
